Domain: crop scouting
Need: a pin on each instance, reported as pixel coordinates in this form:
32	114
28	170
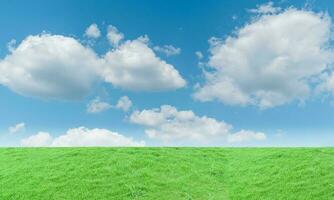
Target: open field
167	173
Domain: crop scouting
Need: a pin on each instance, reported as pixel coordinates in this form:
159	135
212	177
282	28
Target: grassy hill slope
166	173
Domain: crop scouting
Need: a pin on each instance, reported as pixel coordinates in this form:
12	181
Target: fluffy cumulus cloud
114	36
50	66
93	31
124	103
17	128
41	139
169	50
81	137
135	66
169	124
270	61
97	106
60	67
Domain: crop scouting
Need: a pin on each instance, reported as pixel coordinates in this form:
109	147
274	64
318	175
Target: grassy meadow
166	173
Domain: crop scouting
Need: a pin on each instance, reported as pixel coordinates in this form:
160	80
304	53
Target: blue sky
294	117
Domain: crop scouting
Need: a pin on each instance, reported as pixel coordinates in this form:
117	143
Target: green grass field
166	173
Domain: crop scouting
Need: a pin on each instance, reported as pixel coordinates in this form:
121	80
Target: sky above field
166	73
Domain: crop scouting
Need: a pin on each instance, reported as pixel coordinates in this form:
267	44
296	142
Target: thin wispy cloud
17	128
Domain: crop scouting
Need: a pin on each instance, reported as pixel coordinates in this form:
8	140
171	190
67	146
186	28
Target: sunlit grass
166	173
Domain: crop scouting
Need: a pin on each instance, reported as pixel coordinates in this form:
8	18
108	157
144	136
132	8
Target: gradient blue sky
187	25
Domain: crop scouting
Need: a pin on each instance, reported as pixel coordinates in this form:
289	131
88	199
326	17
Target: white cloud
168	124
50	66
124	103
97	106
17	128
41	139
199	55
326	83
267	8
60	67
81	136
134	66
93	31
246	136
270	61
114	36
11	45
169	50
